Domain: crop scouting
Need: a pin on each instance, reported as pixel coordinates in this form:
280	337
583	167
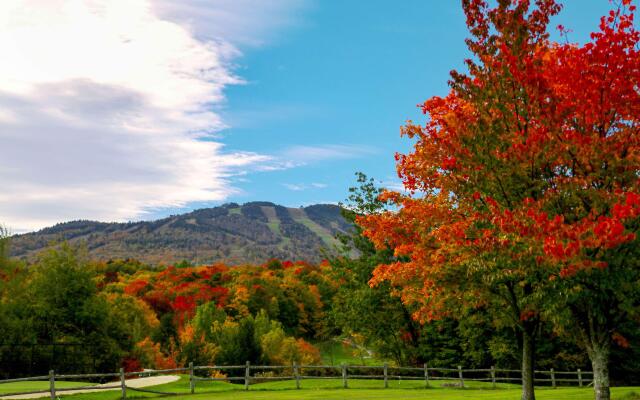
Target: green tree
238	342
166	334
358	308
65	307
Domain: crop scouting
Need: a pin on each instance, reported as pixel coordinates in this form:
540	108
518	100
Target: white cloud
246	22
294	186
106	109
297	187
301	155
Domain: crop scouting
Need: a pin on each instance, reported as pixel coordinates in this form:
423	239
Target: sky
119	110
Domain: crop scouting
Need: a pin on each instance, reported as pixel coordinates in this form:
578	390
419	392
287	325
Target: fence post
52	384
192	383
296	373
247	375
344	375
386	376
553	378
493	376
460	375
580	377
123	385
426	375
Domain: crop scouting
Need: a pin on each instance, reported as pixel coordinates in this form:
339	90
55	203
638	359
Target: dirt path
134	383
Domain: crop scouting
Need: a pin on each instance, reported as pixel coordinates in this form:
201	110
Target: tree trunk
528	357
595	336
599	355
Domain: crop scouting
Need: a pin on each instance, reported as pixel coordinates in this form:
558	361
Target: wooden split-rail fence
457	376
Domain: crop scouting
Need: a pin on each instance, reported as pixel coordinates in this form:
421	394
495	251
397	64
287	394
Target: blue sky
120	110
349	75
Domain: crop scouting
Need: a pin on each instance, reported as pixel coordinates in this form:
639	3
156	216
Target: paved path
134	383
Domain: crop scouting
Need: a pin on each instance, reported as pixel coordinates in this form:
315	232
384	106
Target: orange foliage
530	163
288	287
151	356
135	287
309	354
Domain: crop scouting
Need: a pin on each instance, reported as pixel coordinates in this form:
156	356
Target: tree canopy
525	174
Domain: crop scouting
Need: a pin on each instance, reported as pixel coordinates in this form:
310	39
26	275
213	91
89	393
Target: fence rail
294	372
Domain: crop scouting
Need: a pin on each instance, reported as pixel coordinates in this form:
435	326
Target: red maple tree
523	184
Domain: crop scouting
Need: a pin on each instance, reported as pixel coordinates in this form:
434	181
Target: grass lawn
32	386
330	389
336	353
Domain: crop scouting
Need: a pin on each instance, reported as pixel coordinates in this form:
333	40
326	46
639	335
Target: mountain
232	233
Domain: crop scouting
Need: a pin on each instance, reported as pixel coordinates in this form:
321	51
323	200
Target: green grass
324	234
336	353
32	386
382	394
275	227
274	224
331	389
631	396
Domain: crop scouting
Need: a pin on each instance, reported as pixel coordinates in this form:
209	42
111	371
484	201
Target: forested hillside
250	233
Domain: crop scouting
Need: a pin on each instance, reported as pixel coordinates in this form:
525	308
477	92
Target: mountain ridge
231	233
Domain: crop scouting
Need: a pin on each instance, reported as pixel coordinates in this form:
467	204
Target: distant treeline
69	313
